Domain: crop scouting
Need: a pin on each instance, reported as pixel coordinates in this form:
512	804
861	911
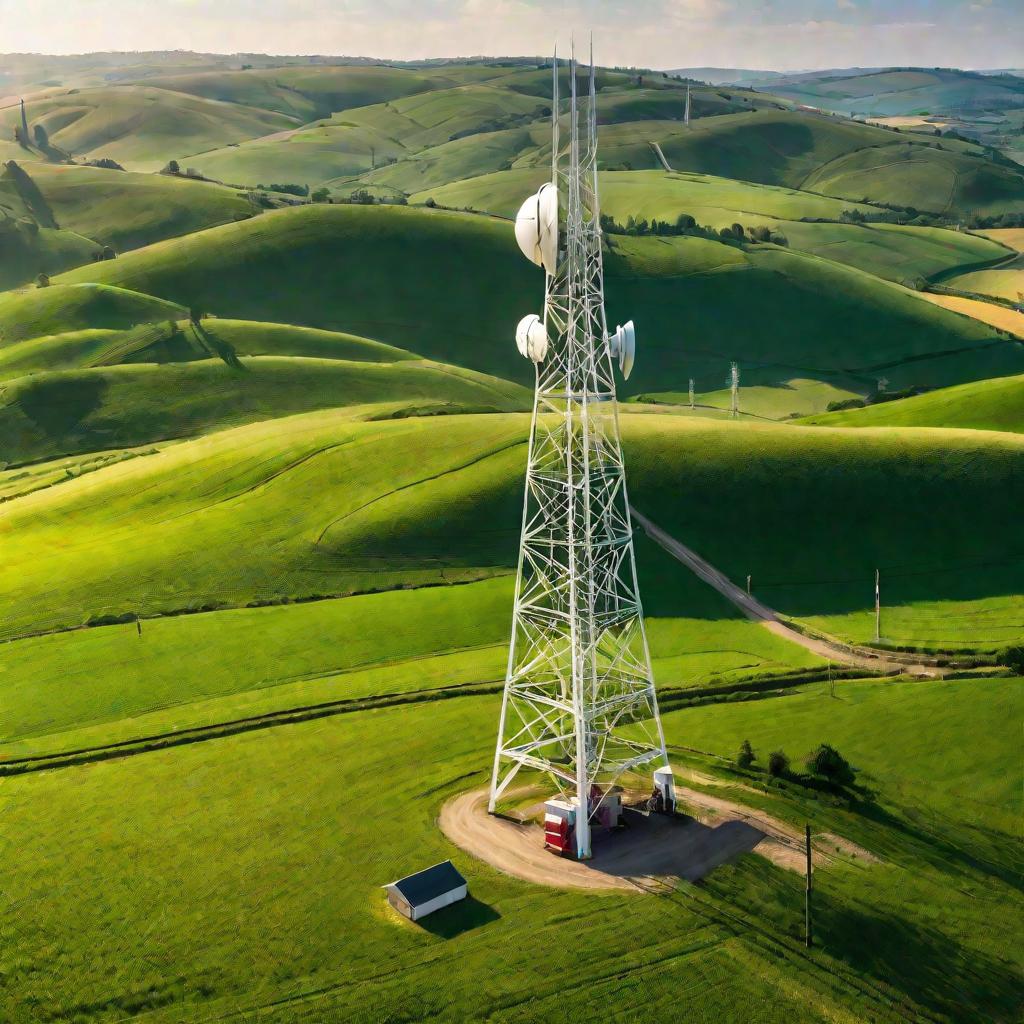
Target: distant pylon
686	118
734	386
691	392
579	702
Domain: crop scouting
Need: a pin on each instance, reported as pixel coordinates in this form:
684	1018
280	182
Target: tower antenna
579	703
734	387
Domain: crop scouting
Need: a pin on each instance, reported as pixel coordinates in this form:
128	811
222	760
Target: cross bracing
579	703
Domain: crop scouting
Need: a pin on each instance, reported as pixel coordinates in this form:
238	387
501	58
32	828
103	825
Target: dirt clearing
652	847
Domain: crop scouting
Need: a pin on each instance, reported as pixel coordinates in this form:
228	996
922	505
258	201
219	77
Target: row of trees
824	762
685	224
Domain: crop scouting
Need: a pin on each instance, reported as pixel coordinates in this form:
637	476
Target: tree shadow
464	916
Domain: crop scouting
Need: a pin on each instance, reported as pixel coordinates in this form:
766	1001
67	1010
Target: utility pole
808	932
686	118
691	392
734	385
878	607
748	584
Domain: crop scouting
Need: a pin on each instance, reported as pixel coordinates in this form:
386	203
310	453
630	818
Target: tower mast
579	703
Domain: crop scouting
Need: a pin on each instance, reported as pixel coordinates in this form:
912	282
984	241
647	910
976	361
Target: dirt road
846	654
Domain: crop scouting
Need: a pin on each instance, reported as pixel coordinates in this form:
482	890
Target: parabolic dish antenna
532	338
622	345
537	228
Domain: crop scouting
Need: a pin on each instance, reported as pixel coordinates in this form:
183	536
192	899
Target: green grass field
982	405
127	211
141	127
1004	282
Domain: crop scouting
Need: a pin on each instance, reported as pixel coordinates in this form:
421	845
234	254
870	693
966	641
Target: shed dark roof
430	883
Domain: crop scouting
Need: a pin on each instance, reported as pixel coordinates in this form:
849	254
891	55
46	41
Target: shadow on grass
928	967
460	917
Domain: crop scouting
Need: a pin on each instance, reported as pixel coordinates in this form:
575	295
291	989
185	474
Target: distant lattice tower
579	703
686	118
734	391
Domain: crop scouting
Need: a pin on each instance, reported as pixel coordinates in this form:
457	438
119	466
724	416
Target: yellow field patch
1012	237
987	312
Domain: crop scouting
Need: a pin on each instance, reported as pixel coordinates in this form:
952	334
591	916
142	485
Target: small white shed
420	894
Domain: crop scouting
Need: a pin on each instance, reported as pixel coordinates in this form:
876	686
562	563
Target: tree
737	230
1013	657
745	758
827	763
778	764
431	202
43	281
684	222
321	195
173	167
42	139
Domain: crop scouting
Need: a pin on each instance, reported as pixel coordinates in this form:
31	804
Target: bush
827	763
778	764
431	202
43	281
846	403
1013	657
745	758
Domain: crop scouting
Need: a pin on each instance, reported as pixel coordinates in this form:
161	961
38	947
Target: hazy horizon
780	35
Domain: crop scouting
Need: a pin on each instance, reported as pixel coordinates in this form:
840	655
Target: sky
763	34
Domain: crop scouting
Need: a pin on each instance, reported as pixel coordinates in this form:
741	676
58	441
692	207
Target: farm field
262	447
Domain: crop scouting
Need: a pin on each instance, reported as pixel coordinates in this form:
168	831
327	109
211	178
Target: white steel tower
579	701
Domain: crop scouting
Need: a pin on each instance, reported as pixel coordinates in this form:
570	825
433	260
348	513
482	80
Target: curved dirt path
651	848
834	650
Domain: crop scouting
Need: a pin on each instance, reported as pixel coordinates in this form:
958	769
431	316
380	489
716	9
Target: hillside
126	210
895	252
338	504
902	91
68	412
141	127
981	405
763	307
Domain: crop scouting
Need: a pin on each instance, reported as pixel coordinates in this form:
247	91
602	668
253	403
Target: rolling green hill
330	503
900	91
67	412
142	127
126	210
923	177
38	312
467	286
981	405
303	93
168	341
1005	281
894	252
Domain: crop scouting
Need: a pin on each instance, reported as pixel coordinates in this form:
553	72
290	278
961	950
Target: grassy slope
810	514
300	92
890	251
73	411
126	210
328	504
982	405
908	91
1006	282
155	343
946	182
283	939
470	286
36	312
142	127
